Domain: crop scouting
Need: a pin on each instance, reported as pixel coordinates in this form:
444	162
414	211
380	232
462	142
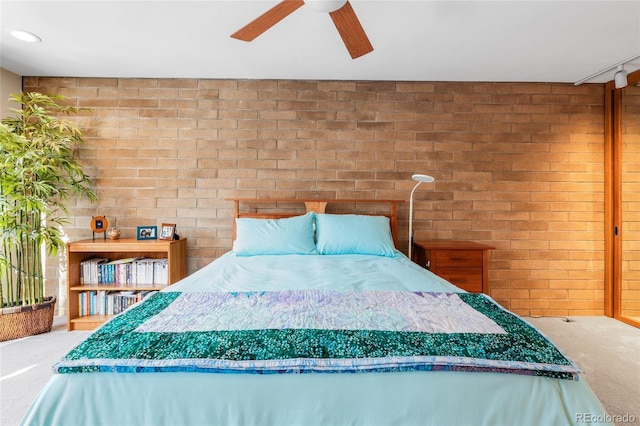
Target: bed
315	318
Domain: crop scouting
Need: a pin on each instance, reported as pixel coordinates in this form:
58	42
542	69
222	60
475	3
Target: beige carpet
607	350
25	367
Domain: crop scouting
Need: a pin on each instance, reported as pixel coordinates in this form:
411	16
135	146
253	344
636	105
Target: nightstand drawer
459	258
469	279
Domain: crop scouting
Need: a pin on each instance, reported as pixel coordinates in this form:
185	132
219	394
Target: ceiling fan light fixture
326	6
342	14
620	78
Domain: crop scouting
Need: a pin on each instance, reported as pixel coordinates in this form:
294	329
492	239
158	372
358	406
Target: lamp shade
422	178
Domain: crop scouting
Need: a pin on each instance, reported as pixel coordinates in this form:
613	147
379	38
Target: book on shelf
90	269
130	271
108	302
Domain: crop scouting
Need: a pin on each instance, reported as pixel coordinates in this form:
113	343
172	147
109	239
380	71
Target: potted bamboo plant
38	172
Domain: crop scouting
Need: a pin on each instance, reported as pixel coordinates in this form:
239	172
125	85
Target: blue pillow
293	235
354	234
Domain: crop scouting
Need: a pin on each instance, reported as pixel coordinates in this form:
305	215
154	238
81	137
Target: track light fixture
620	77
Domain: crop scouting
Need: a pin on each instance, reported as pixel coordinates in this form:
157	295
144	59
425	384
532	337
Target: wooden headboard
278	208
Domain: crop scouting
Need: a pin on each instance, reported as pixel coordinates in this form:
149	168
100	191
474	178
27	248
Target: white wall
9	83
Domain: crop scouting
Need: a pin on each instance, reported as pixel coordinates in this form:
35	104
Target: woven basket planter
22	321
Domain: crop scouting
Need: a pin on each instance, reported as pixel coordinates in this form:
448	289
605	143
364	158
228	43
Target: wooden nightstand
464	263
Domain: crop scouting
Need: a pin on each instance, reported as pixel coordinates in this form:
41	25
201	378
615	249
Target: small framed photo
167	231
147	232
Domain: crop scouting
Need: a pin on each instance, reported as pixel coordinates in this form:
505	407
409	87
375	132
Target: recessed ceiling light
25	36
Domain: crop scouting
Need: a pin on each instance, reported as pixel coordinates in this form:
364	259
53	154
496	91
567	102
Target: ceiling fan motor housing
326	6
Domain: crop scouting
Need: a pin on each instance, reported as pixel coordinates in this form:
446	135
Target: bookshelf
78	251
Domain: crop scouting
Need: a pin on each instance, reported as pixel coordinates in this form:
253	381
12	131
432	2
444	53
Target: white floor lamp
418	178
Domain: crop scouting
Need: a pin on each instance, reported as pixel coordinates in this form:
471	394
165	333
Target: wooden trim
613	199
629	321
609	197
616	132
394	222
315	206
452	245
318	206
325	200
633	78
123	245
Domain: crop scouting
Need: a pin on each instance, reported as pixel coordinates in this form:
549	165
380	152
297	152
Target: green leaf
38	171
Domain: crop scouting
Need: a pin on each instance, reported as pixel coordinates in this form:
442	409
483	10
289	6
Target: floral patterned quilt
306	331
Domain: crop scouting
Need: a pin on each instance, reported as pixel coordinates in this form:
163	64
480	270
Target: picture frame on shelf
147	233
167	231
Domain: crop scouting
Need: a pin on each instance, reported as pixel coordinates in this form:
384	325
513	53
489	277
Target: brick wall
518	166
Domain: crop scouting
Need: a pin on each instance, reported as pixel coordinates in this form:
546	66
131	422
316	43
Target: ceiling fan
341	12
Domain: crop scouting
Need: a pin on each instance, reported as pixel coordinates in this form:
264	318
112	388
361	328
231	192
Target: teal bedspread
387	398
305	331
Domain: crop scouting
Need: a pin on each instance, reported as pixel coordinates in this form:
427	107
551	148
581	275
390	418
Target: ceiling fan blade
351	31
267	20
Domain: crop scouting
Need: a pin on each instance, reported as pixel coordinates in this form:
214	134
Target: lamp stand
418	178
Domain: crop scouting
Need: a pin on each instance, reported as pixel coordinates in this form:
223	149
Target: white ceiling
529	41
